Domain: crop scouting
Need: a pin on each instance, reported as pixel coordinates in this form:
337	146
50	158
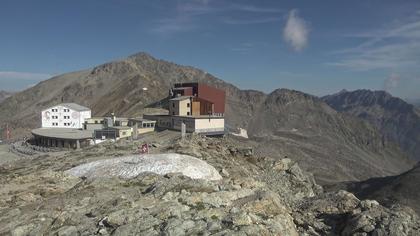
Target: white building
65	115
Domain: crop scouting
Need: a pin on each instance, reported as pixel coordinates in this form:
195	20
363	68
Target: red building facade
214	99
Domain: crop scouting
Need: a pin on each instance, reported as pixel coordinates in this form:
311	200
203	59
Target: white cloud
395	47
22	75
188	15
296	31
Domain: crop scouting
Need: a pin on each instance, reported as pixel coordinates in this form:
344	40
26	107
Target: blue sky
315	47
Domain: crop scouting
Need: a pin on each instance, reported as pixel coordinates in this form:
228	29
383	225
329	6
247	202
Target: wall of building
90	126
180	107
199	125
189	124
61	143
125	133
59	117
209	125
195	108
214	95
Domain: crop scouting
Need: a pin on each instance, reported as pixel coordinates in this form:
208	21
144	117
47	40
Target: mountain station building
65	115
200	107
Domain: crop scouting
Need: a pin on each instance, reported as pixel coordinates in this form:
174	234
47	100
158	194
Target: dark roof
180	98
63	133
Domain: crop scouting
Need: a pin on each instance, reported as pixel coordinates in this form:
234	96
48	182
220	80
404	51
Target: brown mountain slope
396	119
331	145
334	147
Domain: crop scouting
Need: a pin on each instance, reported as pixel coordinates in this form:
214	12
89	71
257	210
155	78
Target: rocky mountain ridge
4	95
397	120
294	123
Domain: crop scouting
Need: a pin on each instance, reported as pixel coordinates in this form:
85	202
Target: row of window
65	117
148	125
173	105
56	110
56	124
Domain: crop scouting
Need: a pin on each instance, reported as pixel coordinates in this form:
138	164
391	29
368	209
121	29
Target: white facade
66	115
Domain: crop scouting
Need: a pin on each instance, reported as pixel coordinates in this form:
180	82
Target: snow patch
241	133
131	166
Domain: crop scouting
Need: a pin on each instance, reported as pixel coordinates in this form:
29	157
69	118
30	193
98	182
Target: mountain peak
142	55
385	112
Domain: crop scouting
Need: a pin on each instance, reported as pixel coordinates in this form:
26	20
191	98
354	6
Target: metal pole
7	132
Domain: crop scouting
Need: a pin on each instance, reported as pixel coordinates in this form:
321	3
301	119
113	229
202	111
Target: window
54	110
152	124
173	113
96	122
148	125
144	125
188	104
66	110
173	104
188	113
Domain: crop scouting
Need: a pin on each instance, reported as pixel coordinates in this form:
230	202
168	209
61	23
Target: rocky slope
258	195
284	123
397	120
293	123
4	95
401	189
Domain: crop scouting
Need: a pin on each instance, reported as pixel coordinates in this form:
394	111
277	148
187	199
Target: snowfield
131	166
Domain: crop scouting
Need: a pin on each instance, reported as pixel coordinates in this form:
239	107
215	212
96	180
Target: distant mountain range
397	120
289	122
335	146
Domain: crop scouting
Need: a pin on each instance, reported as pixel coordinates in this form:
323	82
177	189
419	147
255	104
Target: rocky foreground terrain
258	195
